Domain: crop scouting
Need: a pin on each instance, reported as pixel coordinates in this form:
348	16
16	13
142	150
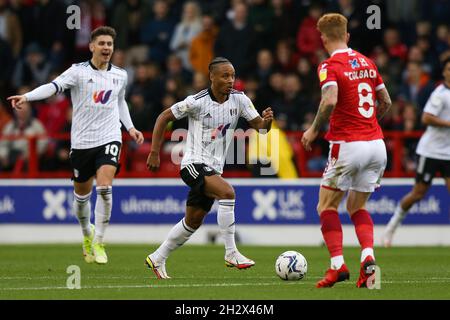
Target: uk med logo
102	96
57	204
282	204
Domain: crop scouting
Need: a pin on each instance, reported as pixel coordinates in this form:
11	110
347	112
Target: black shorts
427	168
85	162
194	176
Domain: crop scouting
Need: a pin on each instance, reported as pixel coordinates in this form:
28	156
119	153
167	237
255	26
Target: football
291	265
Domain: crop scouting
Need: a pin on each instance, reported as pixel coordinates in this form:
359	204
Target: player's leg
363	223
176	237
332	234
103	207
82	209
218	188
197	207
426	169
417	193
83	169
366	179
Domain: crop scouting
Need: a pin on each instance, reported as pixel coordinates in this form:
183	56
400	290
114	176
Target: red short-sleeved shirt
357	79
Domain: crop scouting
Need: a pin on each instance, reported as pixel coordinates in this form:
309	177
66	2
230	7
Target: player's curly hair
333	26
103	31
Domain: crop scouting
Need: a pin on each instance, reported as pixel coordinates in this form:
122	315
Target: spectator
5	116
416	86
52	112
308	37
157	32
119	59
10	29
202	47
175	69
23	124
128	18
33	70
442	39
236	41
284	21
7	66
92	17
143	113
293	103
200	82
308	78
185	31
264	67
286	58
395	48
260	17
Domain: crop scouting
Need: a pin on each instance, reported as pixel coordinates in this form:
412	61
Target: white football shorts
356	165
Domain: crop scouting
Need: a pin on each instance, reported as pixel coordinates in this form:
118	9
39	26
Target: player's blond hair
333	26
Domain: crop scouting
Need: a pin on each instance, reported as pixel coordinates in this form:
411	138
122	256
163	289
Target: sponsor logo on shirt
102	96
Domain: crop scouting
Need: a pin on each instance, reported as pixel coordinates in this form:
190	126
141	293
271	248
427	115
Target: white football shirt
435	142
211	125
98	99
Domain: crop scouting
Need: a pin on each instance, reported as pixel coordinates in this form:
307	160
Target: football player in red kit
351	86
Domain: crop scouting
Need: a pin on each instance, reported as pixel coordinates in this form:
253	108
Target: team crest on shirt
102	96
354	63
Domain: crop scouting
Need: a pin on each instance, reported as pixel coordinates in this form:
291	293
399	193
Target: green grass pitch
198	272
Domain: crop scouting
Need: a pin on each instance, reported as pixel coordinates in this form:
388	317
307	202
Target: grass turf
198	272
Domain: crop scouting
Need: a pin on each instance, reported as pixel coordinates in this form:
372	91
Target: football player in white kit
213	114
97	90
433	152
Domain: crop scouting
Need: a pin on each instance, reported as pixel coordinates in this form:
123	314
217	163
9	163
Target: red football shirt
357	79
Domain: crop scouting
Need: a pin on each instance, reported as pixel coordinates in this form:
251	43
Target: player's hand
308	137
153	161
136	135
16	101
267	114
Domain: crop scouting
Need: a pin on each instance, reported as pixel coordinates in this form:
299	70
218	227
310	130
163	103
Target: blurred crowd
166	45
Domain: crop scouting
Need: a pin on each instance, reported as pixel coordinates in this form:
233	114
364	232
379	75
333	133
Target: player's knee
228	193
104	191
194	222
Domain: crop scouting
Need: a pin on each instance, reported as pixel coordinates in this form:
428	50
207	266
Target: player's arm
432	120
326	106
158	137
40	93
264	122
384	103
125	118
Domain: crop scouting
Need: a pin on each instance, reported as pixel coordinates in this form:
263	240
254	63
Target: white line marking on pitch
201	285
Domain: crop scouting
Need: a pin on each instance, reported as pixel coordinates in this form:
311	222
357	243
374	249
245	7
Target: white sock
367	252
82	209
397	218
177	236
337	262
103	207
225	219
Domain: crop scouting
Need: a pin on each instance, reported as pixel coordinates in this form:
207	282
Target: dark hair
103	31
217	61
444	63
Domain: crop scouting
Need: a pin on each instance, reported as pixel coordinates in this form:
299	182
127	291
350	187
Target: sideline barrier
264	205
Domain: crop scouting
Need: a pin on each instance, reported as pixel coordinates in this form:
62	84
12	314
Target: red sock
364	228
332	231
